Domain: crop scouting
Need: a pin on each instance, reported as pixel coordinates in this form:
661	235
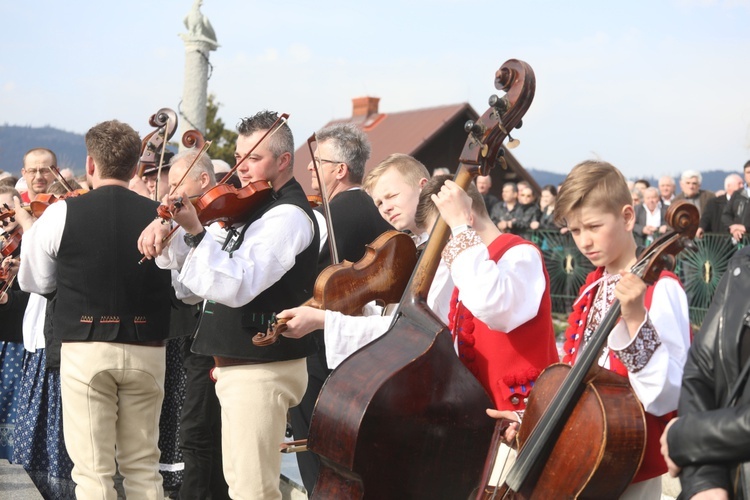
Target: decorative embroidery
139	320
459	243
87	319
603	300
639	351
109	319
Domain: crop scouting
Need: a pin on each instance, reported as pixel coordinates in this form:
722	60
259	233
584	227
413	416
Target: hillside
71	152
15	141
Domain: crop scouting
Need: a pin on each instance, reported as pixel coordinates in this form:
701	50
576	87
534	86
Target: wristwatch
192	240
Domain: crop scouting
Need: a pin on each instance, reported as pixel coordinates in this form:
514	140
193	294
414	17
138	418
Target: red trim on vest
653	464
506	364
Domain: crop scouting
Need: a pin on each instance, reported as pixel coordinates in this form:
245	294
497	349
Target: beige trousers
112	395
254	403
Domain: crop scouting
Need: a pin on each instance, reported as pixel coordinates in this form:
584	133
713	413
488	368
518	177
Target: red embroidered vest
653	464
506	364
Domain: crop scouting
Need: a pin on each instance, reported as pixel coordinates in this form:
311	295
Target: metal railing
700	269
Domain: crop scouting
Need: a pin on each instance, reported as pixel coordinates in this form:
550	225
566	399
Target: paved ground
16	484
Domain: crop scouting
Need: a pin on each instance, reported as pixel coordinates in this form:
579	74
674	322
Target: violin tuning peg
513	143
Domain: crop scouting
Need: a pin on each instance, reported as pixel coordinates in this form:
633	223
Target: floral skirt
39	442
11	366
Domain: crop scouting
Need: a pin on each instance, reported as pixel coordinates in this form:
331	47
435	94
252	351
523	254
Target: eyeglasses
33	171
323	160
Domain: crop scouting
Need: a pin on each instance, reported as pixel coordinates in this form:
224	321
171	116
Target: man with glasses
341	153
37	173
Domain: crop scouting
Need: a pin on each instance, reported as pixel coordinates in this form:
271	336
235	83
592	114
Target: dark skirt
11	366
39	443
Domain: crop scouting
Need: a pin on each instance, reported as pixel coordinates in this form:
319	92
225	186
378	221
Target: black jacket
712	217
712	437
737	210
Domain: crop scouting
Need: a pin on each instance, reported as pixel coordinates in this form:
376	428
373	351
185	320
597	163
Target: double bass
585	403
402	417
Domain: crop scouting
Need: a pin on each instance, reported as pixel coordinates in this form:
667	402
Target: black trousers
300	415
200	432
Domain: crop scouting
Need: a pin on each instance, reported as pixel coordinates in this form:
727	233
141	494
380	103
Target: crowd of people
126	340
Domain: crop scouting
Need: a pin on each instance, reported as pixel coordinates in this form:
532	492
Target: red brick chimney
365	106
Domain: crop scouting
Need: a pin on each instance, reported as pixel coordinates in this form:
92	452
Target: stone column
199	41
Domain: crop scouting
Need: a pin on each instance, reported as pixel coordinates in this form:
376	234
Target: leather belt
149	343
221	361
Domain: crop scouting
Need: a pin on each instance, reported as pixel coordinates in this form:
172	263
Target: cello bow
402	417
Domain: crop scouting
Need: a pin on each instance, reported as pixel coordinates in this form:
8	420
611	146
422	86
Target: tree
223	139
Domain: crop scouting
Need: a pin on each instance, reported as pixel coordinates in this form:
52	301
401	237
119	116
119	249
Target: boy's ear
628	215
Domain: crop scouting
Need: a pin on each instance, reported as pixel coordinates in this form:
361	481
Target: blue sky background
655	87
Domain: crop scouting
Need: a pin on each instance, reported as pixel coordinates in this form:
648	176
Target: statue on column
199	40
198	25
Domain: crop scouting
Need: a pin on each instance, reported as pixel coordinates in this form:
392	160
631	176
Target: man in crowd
484	184
666	190
690	183
246	273
736	214
37	173
341	153
711	219
112	316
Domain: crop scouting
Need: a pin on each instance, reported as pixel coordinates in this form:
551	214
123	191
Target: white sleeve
657	383
39	247
268	251
346	334
503	295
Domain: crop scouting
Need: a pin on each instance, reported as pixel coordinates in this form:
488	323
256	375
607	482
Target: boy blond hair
410	168
592	183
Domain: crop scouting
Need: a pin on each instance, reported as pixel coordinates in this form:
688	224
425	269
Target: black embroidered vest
103	294
226	331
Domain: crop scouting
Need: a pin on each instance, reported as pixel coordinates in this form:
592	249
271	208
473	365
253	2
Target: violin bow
275	127
61	179
324	198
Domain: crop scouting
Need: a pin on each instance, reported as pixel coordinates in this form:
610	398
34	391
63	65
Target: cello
568	403
402	417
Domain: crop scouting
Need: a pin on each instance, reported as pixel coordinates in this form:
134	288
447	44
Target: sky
654	87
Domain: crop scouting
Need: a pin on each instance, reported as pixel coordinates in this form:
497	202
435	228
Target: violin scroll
683	218
193	139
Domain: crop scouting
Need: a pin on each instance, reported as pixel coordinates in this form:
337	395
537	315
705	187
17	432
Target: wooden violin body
225	203
402	417
381	275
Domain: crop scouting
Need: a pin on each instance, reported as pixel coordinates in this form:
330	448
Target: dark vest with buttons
103	294
227	331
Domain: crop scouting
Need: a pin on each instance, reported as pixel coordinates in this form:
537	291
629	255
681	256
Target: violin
315	200
44	200
381	276
403	417
12	242
225	203
586	403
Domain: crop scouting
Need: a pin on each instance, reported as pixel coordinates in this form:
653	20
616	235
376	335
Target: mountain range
15	141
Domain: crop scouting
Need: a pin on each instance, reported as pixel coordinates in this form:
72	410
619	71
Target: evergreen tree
224	140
